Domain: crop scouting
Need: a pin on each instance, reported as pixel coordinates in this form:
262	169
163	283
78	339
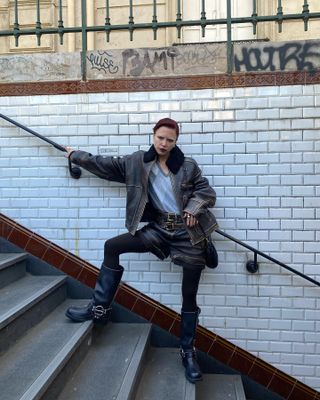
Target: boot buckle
192	352
99	311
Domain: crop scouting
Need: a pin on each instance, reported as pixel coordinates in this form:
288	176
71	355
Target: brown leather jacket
193	192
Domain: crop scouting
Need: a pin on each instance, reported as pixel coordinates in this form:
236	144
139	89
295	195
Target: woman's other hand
190	220
69	150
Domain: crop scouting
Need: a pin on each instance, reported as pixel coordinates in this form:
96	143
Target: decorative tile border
157	84
222	350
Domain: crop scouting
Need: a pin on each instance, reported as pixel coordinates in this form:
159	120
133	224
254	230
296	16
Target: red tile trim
161	83
157	313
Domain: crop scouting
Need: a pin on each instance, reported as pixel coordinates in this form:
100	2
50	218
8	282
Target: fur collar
174	161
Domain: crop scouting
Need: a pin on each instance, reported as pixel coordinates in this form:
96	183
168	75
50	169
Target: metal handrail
253	264
75	172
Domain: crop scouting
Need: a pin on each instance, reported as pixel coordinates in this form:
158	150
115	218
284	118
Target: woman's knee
111	247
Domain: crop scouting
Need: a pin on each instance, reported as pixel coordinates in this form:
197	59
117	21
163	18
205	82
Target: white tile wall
259	148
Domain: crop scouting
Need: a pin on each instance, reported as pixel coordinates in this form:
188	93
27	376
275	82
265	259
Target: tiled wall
259	149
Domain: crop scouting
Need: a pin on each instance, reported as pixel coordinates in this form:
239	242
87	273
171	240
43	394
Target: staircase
43	355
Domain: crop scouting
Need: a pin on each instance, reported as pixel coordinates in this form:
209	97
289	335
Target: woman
167	190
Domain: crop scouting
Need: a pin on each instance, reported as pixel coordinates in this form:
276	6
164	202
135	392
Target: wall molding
218	81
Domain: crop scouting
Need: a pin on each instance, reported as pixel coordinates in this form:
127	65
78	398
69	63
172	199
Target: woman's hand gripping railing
252	265
75	172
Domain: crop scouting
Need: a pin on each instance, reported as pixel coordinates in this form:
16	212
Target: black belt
169	221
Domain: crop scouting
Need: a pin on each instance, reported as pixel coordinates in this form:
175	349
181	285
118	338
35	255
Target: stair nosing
238	387
17	258
190	391
132	372
237	383
44	380
27	303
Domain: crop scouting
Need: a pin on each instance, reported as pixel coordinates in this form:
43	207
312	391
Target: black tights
127	243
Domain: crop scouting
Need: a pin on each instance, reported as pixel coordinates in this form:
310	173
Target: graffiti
293	55
18	68
102	61
200	56
137	63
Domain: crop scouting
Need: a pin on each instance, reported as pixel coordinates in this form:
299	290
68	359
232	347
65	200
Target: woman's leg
99	308
125	243
190	284
189	321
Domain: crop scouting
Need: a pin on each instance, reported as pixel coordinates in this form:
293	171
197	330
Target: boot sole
74	319
95	321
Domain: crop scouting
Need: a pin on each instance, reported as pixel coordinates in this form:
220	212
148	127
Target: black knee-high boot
189	322
99	308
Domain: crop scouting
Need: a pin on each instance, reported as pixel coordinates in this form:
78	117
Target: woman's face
164	140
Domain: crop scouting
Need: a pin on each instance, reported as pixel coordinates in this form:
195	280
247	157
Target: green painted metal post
131	20
60	22
305	12
84	40
254	16
38	24
16	23
203	18
229	38
154	20
107	21
179	19
280	16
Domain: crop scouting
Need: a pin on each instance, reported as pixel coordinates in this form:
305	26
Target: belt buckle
171	217
169	226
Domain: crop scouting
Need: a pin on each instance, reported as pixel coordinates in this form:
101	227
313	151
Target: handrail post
252	265
84	40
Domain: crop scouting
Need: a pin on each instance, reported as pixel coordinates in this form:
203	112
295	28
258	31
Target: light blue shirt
161	190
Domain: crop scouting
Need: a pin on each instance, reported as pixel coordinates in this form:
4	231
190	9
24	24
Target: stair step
220	387
25	302
112	366
12	267
163	377
32	363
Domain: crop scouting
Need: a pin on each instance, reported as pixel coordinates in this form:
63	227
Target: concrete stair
163	377
220	387
45	356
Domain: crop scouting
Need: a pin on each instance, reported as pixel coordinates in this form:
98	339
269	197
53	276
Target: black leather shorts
174	243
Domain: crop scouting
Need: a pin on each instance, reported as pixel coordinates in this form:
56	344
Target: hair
169	123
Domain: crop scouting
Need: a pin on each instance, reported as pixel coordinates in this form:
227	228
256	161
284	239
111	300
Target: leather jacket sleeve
202	197
109	168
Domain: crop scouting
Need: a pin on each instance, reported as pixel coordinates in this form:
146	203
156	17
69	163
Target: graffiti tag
102	61
135	63
300	56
